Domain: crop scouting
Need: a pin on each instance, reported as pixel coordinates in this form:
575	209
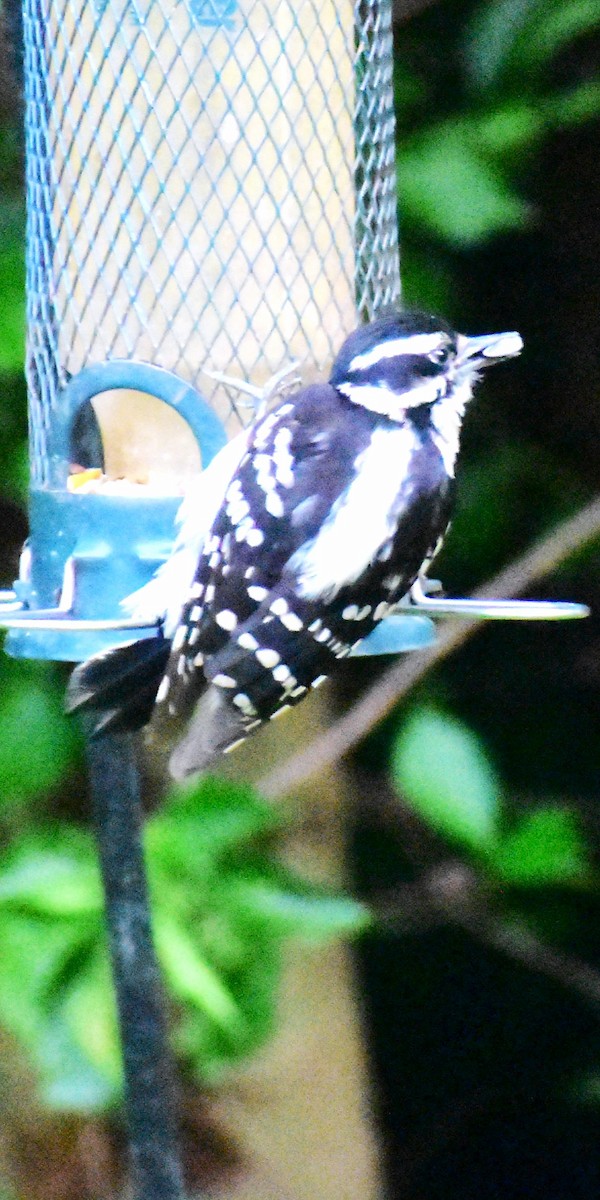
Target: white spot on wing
179	637
247	641
255	537
226	619
274	504
391	582
242	529
257	593
283	460
291	622
268	658
224	681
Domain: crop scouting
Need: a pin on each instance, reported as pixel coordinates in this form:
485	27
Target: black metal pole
149	1074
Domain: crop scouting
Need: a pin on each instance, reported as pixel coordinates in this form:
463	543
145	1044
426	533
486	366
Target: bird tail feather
116	689
214	728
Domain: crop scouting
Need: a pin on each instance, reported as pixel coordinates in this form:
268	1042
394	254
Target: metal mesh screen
210	183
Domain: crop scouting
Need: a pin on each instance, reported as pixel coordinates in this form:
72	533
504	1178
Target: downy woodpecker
328	510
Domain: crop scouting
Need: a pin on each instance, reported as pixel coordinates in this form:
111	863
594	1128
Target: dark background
486	1065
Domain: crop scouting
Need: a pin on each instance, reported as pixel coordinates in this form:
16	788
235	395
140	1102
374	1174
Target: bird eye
441	355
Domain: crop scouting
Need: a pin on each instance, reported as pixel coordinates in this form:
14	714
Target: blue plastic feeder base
97	549
86	553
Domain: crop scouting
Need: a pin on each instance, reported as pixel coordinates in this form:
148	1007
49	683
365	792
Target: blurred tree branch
399	679
451	894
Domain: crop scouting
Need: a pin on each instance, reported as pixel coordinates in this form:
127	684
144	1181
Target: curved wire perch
16	616
148	1068
492	610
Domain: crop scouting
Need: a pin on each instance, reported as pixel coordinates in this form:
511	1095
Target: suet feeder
210	188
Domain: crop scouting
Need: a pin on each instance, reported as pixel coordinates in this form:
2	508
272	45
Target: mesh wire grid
209	184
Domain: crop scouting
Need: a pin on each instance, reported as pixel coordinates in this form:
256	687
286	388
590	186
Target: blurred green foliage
441	769
467	131
223	905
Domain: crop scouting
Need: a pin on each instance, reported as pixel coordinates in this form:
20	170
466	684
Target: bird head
406	359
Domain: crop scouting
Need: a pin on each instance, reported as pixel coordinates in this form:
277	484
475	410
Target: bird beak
487	349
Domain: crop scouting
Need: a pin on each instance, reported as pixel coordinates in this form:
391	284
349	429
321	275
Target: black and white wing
244	622
301	563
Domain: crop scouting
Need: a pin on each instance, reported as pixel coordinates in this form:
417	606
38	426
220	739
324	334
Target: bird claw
260	397
426	587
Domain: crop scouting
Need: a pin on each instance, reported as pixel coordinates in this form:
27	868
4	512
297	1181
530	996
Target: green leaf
289	909
16	474
510	128
222	908
441	770
217	814
557	27
513	40
34	954
545	848
576	106
68	1080
491	37
60	879
191	977
210	1050
447	187
427	280
38	743
87	1073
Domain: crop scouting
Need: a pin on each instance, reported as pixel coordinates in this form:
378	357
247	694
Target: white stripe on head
392	404
416	343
